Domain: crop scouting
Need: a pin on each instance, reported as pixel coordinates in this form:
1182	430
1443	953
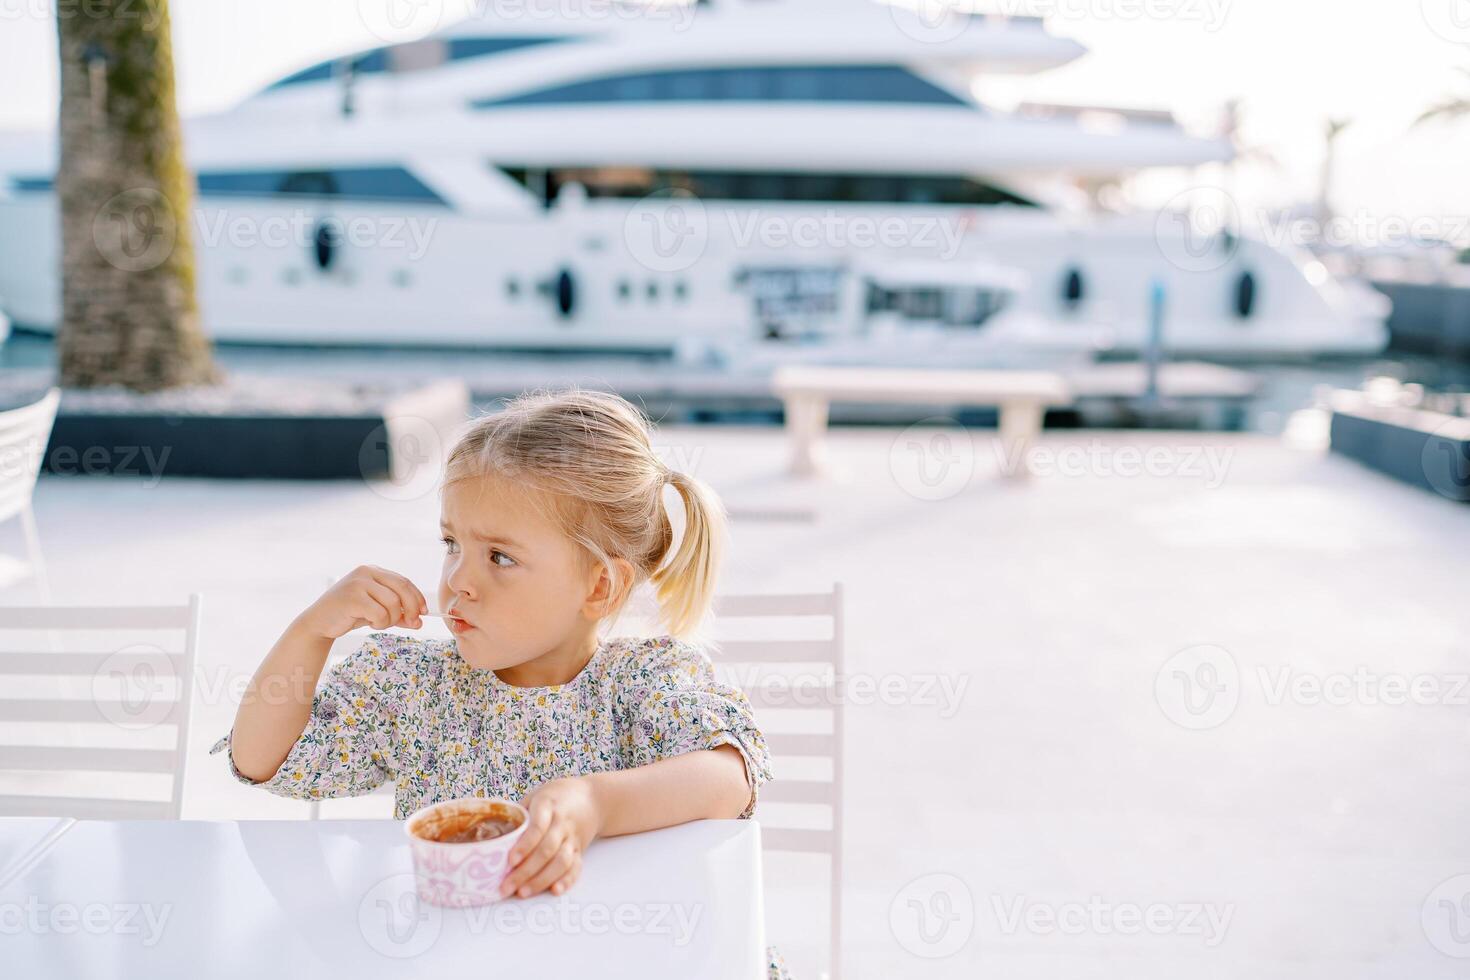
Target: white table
807	392
24	839
276	899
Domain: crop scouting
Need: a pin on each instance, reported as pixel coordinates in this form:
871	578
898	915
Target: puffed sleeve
671	704
346	747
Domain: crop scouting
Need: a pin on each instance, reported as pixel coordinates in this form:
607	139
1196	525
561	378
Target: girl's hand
564	820
366	596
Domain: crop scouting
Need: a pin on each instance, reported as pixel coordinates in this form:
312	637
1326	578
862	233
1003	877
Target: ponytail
685	585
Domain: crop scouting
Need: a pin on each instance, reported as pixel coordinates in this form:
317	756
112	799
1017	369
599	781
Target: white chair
378	803
131	720
24	434
751	664
763	668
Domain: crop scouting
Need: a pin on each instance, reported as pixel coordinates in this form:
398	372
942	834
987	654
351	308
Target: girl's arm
568	814
277	703
695	786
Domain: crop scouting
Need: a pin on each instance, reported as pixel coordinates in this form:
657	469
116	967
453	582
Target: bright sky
1294	63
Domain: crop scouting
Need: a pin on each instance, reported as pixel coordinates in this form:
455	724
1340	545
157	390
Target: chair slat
53	758
86	664
21	442
806	697
796	604
792	839
82	711
781	743
84	807
94	617
797	791
773	652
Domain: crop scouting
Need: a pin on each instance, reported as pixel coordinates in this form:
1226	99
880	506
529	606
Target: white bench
1022	397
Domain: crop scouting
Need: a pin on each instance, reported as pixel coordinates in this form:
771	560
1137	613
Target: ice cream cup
461	874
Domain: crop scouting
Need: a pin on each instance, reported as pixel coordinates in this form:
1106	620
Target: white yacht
782	177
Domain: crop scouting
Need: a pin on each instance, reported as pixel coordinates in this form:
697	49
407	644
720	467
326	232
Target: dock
1191	394
1050	773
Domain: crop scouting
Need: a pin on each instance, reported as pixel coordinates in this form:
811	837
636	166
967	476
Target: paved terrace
1065	782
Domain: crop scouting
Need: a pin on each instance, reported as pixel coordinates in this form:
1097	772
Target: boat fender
1074	288
324	245
1245	295
566	293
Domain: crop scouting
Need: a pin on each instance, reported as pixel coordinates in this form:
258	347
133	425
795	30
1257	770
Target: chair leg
806	421
1020	424
38	567
33	553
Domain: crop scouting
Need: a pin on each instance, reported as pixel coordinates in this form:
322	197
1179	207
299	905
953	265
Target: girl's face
518	585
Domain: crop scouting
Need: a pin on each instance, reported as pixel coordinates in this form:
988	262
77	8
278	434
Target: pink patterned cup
456	874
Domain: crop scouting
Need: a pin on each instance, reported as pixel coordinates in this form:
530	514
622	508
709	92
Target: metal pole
1153	350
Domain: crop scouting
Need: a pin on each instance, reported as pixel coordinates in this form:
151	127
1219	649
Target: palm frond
1446	111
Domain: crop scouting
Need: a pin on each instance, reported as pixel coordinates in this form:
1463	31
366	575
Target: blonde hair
586	459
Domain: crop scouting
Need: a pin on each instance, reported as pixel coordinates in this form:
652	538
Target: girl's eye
448	544
502	554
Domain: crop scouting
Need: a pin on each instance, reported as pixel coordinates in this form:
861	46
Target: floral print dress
412	711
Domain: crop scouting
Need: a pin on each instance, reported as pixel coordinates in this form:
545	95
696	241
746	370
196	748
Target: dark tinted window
812	83
732	185
478	47
376	61
366	183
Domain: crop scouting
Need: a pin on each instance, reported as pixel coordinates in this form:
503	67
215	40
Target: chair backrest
788	659
24	434
121	699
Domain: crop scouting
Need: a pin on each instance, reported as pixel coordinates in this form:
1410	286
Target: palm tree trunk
129	314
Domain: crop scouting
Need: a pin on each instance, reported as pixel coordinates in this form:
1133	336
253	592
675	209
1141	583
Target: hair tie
668	475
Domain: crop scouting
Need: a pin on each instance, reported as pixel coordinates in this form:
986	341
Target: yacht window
732	185
794	83
413	56
363	183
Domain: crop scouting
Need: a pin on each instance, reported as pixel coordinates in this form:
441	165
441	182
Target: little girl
551	514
